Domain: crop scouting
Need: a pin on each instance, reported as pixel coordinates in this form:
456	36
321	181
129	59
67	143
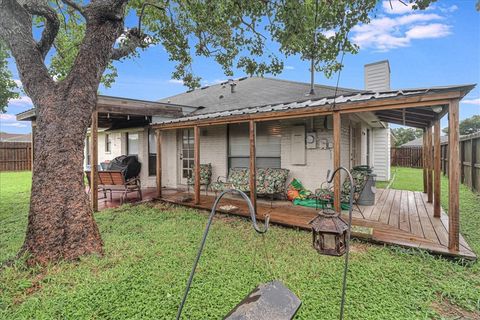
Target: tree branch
52	24
134	39
74	5
16	31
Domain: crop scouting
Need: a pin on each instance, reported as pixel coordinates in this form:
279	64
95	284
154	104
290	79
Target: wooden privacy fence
469	160
15	156
406	157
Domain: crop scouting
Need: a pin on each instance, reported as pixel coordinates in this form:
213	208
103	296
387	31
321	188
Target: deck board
415	225
404	220
427	226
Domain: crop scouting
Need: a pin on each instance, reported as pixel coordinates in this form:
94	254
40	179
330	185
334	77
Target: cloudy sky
439	46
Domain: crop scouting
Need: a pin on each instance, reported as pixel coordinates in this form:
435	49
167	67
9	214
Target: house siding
169	159
213	149
318	161
381	153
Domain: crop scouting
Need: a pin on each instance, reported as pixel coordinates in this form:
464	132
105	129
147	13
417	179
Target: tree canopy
8	87
404	135
468	126
236	34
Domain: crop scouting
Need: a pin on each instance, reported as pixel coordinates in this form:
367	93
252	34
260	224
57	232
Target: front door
186	155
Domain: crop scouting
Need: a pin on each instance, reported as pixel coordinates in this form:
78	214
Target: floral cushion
275	180
359	177
205	175
269	180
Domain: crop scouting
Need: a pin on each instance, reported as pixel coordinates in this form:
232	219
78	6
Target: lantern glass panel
329	241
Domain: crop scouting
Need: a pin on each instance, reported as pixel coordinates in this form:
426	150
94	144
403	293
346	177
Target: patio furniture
324	195
114	181
205	177
269	181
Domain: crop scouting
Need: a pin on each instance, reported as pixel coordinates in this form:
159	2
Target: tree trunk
61	223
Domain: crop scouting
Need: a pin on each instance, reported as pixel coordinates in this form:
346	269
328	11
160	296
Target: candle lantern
329	232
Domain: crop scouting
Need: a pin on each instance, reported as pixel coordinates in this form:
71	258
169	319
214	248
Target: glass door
187	155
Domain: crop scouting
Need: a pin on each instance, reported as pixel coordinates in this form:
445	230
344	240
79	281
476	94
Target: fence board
469	159
406	157
15	156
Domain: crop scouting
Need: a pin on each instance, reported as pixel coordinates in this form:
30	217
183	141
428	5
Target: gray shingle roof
250	92
418	143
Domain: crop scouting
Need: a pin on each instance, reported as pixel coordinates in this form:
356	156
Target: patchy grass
149	250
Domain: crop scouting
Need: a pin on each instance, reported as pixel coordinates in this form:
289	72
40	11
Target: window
152	153
132	143
268	141
108	143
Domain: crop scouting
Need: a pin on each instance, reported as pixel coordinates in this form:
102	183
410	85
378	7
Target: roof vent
377	76
232	85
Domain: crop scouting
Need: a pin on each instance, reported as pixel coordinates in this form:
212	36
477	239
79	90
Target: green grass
149	250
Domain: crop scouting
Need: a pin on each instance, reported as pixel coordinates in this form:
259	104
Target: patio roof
421	117
118	113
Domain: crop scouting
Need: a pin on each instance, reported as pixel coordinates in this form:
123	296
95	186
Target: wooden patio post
158	135
336	160
196	134
94	161
429	166
253	155
32	144
453	177
436	168
424	160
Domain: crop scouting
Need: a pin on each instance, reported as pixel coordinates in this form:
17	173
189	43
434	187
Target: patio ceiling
420	117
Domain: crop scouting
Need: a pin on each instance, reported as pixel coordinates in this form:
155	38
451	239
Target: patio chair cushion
275	180
269	180
205	175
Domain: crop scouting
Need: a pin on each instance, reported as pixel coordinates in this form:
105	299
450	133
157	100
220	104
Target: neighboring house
418	143
15	137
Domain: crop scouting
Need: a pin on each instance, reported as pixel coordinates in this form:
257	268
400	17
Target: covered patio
404	218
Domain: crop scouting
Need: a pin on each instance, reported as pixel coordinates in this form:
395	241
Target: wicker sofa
270	181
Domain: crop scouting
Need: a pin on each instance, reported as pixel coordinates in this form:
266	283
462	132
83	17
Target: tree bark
60	222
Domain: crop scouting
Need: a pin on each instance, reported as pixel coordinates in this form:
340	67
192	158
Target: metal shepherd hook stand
205	234
330	176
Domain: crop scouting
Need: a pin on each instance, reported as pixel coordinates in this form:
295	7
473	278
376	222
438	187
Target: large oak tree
61	70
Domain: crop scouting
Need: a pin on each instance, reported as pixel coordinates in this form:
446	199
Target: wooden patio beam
429	166
94	161
436	169
453	176
196	135
158	135
336	160
32	146
424	160
253	170
350	107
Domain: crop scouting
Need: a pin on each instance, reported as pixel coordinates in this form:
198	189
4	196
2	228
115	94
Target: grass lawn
149	250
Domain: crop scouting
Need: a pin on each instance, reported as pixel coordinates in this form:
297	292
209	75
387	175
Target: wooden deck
399	217
148	194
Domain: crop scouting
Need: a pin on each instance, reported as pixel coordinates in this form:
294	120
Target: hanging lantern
329	233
